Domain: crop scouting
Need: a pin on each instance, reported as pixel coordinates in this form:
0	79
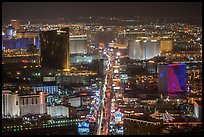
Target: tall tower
172	78
143	49
150	48
54	49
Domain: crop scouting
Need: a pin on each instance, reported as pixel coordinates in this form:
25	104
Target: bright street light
118	53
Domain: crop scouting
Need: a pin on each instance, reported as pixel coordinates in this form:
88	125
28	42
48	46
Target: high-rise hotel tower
54	49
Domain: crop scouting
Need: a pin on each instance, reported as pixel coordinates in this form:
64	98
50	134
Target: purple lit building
172	79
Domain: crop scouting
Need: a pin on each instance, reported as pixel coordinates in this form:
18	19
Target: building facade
47	89
142	127
54	49
150	49
143	49
33	104
172	79
16	24
134	49
75	101
78	44
59	110
10	104
83	59
198	110
19	43
165	45
20	105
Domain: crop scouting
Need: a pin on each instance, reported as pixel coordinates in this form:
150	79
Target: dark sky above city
51	10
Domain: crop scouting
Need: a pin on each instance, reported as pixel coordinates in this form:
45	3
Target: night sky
51	10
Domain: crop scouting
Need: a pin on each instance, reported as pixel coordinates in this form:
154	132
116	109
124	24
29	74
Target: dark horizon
67	10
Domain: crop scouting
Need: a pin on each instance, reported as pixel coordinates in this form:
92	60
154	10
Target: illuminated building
77	44
58	110
10	104
198	110
120	46
121	43
19	105
80	77
134	49
46	89
10	32
149	49
33	104
16	24
21	43
83	128
152	67
143	49
172	78
36	42
75	101
165	45
83	59
54	49
138	126
26	34
118	116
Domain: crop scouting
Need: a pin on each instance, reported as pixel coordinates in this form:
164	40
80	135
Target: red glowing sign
24	61
84	94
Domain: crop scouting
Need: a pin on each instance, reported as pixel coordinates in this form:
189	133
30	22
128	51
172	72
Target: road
104	119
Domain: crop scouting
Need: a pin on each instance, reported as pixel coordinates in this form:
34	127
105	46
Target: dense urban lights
102	75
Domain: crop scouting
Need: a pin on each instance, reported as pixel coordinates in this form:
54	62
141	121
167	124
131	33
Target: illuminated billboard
120	131
116	66
83	128
116	71
117	79
123	76
118	116
116	88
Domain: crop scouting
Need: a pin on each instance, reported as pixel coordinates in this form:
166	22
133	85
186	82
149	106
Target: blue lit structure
36	42
120	130
10	31
83	128
118	116
172	79
20	43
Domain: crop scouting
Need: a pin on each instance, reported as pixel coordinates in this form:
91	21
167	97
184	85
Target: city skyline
53	10
102	68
